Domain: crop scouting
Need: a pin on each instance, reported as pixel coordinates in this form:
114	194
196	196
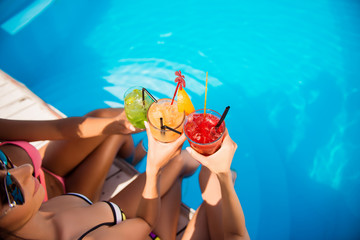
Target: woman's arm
148	212
233	216
159	155
34	130
219	163
60	129
149	206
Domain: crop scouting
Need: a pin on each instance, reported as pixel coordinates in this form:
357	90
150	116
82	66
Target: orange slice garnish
184	103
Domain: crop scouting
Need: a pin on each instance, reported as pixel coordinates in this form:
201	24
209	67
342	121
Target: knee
97	113
189	164
104	112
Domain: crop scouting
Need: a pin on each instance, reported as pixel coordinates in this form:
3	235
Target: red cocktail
201	132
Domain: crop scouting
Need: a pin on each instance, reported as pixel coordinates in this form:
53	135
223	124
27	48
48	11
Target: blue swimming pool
288	69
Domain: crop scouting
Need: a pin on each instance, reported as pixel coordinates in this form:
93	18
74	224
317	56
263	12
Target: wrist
152	169
224	176
152	172
151	185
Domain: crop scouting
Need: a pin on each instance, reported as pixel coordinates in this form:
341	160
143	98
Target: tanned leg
169	213
197	228
129	198
89	176
211	194
77	159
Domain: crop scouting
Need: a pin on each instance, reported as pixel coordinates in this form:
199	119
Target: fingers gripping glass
12	189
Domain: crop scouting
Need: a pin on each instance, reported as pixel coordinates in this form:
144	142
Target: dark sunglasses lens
4	162
2	165
14	190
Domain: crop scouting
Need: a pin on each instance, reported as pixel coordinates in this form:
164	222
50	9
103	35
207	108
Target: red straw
175	93
181	82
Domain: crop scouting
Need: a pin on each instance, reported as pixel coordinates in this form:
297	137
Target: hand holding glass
163	113
136	104
202	133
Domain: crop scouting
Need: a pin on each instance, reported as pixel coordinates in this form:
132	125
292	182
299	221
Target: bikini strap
153	236
43	183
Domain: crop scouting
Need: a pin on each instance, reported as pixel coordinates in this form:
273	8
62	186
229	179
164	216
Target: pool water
288	69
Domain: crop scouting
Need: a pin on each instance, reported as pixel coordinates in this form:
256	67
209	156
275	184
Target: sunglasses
12	189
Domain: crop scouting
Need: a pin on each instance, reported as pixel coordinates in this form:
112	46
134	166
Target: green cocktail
136	104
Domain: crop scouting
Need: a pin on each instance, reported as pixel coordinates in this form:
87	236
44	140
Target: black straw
167	127
162	126
151	96
222	117
171	129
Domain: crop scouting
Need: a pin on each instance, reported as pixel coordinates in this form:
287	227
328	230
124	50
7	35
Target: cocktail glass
136	107
201	132
163	113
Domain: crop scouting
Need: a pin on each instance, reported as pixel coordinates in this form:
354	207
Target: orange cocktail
163	113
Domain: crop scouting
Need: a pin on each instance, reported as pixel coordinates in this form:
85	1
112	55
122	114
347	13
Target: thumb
148	131
147	128
180	140
197	156
131	127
